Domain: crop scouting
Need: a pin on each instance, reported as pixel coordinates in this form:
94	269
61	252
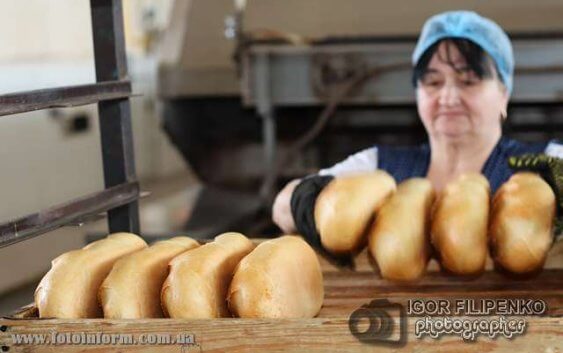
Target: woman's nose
449	95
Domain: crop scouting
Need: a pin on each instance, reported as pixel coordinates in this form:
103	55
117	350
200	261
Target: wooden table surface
345	291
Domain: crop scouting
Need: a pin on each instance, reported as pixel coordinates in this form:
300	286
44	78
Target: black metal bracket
63	97
60	215
115	116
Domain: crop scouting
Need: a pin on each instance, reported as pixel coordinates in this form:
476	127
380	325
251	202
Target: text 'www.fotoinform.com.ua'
100	338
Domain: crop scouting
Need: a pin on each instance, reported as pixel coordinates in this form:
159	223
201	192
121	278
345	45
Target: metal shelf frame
111	92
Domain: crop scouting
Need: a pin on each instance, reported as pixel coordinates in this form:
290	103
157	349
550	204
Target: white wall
44	29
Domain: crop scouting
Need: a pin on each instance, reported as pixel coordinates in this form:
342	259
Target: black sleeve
303	211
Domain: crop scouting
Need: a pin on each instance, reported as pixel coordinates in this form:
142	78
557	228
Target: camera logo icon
386	321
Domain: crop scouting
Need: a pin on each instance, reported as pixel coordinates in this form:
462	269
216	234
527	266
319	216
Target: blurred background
235	98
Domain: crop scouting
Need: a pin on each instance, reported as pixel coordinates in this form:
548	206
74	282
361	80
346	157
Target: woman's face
454	103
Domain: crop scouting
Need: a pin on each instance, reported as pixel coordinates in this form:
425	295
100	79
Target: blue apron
409	162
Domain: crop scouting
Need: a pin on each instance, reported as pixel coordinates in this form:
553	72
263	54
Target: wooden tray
345	291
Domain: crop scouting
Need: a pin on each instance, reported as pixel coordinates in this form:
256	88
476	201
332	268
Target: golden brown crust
399	240
459	225
281	278
346	207
132	288
521	227
69	289
199	279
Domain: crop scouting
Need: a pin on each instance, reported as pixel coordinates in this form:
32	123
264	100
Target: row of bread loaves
403	225
121	277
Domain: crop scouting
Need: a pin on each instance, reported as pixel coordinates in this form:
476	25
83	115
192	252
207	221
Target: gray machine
372	73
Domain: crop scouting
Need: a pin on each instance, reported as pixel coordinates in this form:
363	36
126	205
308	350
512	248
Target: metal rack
111	92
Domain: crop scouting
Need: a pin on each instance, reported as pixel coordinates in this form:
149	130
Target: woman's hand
551	170
281	209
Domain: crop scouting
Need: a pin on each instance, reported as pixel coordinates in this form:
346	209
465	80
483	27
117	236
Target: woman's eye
469	82
432	83
469	79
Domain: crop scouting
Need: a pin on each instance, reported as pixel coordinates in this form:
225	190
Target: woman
463	68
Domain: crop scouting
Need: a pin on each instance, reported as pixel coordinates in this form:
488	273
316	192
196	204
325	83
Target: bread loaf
199	279
521	228
346	207
69	290
459	225
281	278
132	288
399	240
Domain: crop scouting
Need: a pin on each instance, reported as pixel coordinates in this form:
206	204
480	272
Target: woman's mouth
452	113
